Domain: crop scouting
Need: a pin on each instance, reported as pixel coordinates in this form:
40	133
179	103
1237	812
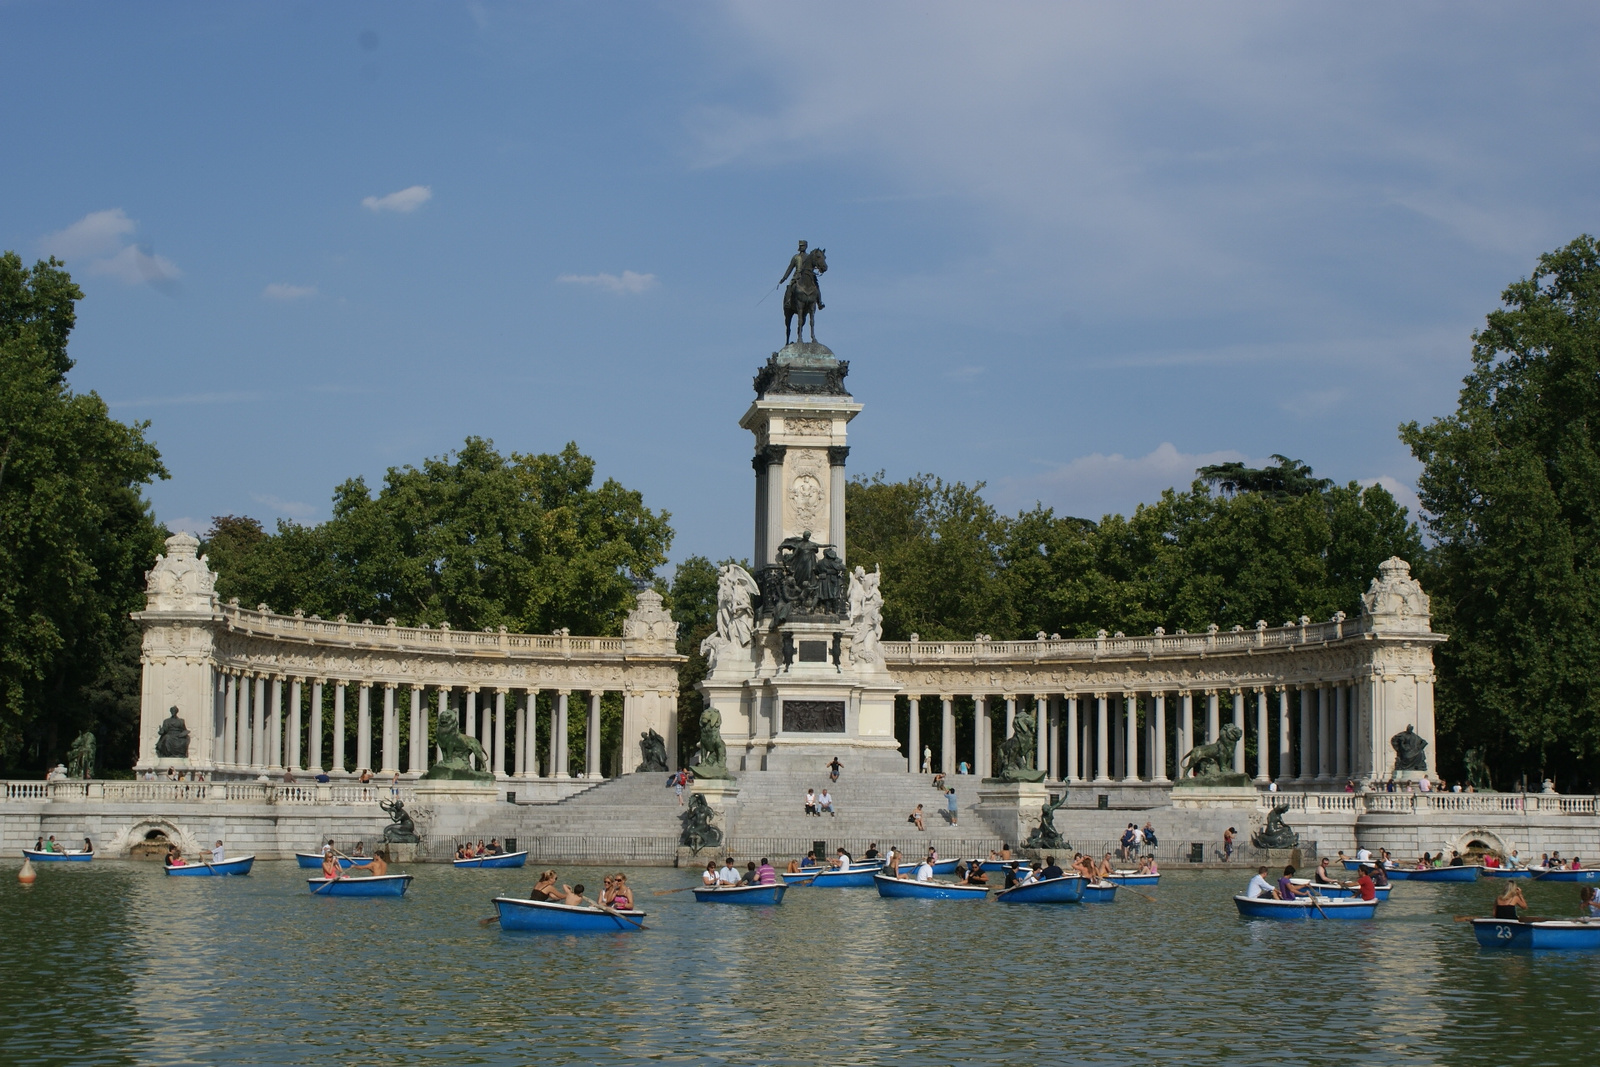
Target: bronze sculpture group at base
1045	836
1017	752
1210	763
652	752
1276	834
401	829
455	748
698	831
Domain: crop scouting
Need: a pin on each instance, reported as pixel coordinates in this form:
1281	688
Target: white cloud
629	282
188	524
292	508
285	291
104	239
1094	485
1403	493
405	201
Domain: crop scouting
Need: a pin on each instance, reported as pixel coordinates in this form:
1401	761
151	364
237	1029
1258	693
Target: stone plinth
1215	796
431	792
1011	809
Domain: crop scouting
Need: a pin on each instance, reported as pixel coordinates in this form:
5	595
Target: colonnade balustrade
1308	735
526	732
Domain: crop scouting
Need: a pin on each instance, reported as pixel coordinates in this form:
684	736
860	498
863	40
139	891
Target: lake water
113	963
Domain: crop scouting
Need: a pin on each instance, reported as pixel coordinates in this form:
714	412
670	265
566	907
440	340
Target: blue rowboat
68	856
1545	874
1304	908
1134	878
1340	891
1099	893
1550	934
904	887
1064	890
991	866
799	879
237	865
1506	872
548	917
850	878
362	885
741	894
939	867
312	861
1463	873
1356	865
509	859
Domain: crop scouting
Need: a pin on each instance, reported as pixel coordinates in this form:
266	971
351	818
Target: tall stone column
913	733
258	747
1052	749
1102	739
1130	767
759	463
363	727
443	709
836	457
1185	727
774	457
1011	715
519	748
947	735
1324	738
1043	725
1119	736
530	755
980	734
417	750
558	736
1263	737
294	725
1213	716
591	744
230	721
314	735
1341	735
1074	768
1285	747
391	733
472	724
1238	724
1307	737
1160	764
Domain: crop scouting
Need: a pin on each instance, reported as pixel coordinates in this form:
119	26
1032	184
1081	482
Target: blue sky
1075	251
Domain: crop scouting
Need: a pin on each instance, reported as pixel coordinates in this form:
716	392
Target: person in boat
925	871
1031	873
1490	861
173	858
916	817
573	895
841	862
1003	854
766	874
1514	860
1425	862
1366	886
1380	877
330	866
621	895
461	852
1577	865
38	846
1455	859
1051	869
972	874
545	887
750	874
1012	879
1363	855
729	874
793	868
607	888
933	854
1325	876
50	844
872	851
1587	902
709	875
1259	886
378	867
494	847
1509	900
361	849
1104	869
217	852
1286	889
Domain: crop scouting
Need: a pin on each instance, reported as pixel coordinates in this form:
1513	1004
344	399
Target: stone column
472	723
258	747
774	509
1160	765
1185	727
1102	740
519	749
759	463
1074	769
230	721
836	457
1130	766
530	756
1043	722
1341	737
1324	738
1213	716
1053	745
1011	715
444	708
913	734
391	733
1285	748
982	730
1238	724
947	735
417	753
558	734
314	735
591	744
1262	736
363	727
294	725
1307	738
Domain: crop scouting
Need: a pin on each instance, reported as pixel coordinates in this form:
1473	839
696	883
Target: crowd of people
615	893
468	851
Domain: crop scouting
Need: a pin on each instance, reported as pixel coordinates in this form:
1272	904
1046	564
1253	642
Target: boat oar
668	892
339	873
609	910
1135	892
1316	902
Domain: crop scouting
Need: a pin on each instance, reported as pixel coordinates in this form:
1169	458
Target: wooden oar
1135	892
609	910
339	868
668	892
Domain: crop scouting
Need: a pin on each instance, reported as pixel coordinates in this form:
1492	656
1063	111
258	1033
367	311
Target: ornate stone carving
866	616
181	580
803	581
652	752
736	596
817	376
837	455
805	499
809	427
1395	603
650	622
172	739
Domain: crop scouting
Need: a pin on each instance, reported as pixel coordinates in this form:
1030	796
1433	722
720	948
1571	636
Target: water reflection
114	963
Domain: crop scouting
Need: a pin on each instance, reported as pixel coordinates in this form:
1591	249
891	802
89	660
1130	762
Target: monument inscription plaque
813	716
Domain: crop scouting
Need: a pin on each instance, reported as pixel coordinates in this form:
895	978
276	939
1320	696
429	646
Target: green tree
692	599
1511	484
75	536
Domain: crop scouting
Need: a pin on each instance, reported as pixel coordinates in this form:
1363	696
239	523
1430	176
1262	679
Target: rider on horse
801	269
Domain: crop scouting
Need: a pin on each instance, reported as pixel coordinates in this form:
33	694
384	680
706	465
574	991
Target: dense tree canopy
476	539
1511	482
75	536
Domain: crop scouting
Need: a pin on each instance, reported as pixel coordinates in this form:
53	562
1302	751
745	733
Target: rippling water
114	963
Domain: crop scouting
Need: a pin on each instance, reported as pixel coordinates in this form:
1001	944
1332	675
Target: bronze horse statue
803	297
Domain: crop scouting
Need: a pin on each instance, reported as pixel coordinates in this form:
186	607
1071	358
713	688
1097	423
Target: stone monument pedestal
1215	796
1011	809
431	792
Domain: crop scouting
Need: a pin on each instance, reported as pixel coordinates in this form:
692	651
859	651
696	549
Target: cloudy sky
1075	251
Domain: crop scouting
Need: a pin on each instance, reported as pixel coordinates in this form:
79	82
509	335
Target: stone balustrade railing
1043	649
1433	803
425	639
117	791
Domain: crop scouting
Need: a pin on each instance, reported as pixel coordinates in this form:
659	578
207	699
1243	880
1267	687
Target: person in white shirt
709	875
891	863
1259	886
927	759
811	802
729	874
217	853
925	871
825	802
843	860
1363	855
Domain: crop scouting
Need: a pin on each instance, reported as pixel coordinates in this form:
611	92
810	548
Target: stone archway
153	830
1475	842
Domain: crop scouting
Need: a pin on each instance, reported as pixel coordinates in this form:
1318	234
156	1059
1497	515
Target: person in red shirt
1369	890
